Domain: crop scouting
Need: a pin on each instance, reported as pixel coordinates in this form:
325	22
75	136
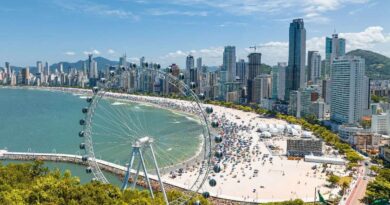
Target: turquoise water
45	121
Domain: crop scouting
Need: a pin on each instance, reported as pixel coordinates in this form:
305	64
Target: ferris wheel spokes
140	146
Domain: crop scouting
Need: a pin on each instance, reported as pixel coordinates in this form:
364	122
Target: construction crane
255	47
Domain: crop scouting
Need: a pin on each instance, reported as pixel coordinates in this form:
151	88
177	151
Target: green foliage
291	202
380	187
377	65
377	99
311	118
333	179
32	183
353	156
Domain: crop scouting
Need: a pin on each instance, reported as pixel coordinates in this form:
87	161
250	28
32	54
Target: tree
291	202
33	183
333	179
311	118
380	187
344	186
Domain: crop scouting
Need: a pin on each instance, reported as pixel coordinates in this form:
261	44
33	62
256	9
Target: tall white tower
349	90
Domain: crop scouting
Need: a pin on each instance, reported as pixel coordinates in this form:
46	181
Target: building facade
334	48
347	90
295	72
313	67
229	63
302	147
254	69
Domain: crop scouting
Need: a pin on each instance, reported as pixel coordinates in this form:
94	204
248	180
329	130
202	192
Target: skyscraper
190	70
241	71
47	68
61	68
123	61
254	69
89	65
229	63
94	70
335	47
199	64
39	67
8	68
190	62
313	66
295	72
25	76
262	88
348	89
141	62
279	81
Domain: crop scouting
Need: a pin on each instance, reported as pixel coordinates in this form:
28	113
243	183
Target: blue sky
166	31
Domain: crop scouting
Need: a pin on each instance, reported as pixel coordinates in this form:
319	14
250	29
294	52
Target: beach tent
297	127
265	134
274	131
306	134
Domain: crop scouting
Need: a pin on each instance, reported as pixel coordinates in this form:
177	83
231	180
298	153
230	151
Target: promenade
104	165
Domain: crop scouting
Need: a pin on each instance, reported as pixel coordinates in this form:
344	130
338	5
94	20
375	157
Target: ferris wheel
156	139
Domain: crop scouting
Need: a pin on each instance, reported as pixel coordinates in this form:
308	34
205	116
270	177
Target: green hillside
33	183
377	65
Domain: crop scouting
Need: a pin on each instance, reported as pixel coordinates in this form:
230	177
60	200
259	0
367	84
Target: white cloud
94	52
95	9
231	23
70	53
110	51
210	56
366	39
311	10
162	12
373	38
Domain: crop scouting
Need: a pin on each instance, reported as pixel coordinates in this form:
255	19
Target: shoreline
192	160
250	172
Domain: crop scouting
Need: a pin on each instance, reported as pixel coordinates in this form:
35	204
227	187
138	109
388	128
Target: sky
166	32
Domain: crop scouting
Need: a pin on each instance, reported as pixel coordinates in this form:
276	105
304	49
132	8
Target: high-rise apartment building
47	68
123	61
348	90
262	88
25	75
254	69
334	47
313	67
89	66
190	62
295	72
279	81
8	68
199	64
39	67
229	63
241	71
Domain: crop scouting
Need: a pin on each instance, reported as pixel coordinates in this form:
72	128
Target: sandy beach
250	171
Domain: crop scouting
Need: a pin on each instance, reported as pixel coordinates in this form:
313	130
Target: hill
101	61
377	65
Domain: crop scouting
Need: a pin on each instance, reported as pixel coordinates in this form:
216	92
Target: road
359	190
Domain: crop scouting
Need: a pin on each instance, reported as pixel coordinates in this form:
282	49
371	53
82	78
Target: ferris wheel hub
144	141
